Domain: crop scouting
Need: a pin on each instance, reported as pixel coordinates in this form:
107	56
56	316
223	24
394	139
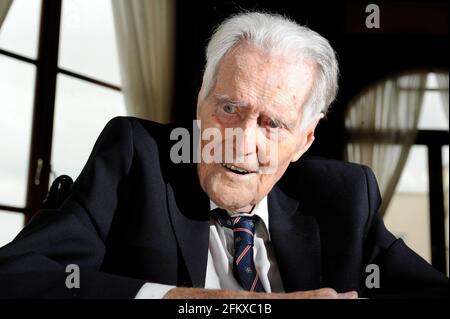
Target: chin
229	204
230	198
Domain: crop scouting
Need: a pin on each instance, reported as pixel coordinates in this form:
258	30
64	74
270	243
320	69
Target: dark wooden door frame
44	106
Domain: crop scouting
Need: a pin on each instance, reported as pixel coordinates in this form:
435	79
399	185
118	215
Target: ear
307	138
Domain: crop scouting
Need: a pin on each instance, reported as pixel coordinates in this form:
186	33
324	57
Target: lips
238	170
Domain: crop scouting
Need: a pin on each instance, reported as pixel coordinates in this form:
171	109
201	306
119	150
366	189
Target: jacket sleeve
34	264
403	273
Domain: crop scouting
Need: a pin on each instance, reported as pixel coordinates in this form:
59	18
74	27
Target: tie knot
242	223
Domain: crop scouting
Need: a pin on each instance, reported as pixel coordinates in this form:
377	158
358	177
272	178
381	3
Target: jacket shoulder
329	173
122	122
322	184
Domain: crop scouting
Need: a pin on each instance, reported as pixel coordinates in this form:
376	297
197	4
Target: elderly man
140	225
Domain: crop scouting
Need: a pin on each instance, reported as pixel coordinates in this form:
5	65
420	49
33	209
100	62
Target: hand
200	293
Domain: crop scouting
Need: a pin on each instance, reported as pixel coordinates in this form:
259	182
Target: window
432	115
19	32
399	127
74	100
18	51
87	82
88	44
408	215
11	224
88	48
17	83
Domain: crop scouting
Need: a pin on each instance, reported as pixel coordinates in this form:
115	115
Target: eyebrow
223	98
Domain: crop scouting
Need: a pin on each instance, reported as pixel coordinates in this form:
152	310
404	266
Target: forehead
263	81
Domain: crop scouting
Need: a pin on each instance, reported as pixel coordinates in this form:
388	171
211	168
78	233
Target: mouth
237	170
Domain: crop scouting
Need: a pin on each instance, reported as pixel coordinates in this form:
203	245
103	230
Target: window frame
435	140
47	71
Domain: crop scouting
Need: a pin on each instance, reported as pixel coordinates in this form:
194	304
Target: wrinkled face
260	96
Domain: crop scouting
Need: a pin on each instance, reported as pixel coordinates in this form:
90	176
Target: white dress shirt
219	269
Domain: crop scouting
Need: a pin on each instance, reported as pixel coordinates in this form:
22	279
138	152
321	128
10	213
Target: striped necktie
243	265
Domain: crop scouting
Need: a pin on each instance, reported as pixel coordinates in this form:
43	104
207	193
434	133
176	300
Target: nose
250	145
258	146
240	144
246	146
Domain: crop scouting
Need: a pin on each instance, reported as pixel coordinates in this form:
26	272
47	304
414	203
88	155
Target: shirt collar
261	210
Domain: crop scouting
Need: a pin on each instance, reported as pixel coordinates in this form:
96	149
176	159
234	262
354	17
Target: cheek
204	173
208	171
286	152
209	119
267	181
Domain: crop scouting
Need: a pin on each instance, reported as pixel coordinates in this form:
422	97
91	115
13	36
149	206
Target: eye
273	124
230	109
270	123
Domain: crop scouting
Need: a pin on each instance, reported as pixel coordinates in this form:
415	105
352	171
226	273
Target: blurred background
68	66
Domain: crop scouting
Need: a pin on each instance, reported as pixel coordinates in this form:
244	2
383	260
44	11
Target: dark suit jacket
134	216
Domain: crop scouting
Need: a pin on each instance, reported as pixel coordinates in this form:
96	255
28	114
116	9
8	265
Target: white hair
276	34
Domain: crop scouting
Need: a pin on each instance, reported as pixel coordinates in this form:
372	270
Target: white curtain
442	79
4	7
145	31
381	124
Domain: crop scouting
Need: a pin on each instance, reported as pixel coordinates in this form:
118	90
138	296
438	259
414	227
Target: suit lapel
296	241
189	212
